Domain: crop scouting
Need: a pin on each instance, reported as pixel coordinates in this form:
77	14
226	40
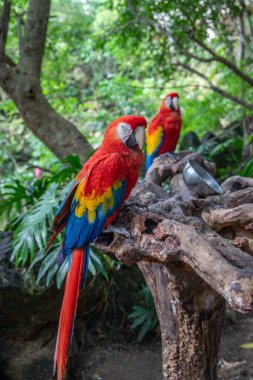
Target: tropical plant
29	209
246	169
113	58
143	316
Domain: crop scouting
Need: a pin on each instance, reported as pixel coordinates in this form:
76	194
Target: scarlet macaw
163	132
94	200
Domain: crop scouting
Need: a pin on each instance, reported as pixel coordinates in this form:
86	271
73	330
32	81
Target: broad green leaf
247	345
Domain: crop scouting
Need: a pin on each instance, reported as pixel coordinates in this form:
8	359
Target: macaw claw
173	156
118	230
132	206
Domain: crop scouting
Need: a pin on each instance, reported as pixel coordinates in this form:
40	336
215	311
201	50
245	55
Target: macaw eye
175	103
168	102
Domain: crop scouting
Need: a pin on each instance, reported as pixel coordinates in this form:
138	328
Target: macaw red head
170	102
128	130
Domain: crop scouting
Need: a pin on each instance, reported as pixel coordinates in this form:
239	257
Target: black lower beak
131	141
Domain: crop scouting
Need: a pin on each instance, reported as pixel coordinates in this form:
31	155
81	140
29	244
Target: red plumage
164	130
68	312
92	203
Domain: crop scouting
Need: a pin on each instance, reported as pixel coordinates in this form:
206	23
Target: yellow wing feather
154	139
88	203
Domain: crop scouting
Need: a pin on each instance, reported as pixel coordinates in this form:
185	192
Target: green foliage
13	195
247	170
98	263
227	155
16	197
31	233
247	345
111	58
29	209
233	146
104	59
143	316
49	268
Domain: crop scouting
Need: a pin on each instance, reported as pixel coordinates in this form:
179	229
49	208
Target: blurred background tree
66	72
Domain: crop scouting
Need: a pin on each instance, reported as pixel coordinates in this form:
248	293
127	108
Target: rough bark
235	183
191	336
190	268
22	83
238	216
248	139
241	44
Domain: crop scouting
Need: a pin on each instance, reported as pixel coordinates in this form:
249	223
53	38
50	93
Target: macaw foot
173	156
117	230
132	206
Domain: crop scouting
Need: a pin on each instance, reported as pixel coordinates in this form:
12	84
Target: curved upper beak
140	136
174	103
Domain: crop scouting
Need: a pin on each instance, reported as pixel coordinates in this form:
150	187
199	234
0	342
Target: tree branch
241	45
225	62
19	29
22	83
35	35
217	89
169	238
170	231
9	61
248	17
4	23
196	57
4	74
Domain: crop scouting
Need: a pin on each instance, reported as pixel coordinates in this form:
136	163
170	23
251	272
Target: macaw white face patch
124	132
168	102
132	138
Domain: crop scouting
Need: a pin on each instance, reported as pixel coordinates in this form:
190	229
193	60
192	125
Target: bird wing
155	137
64	207
99	194
173	127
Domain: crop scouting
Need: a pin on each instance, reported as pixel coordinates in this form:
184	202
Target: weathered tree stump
190	268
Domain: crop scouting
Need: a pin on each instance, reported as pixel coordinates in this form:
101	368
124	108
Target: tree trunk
57	133
22	83
190	269
248	137
190	320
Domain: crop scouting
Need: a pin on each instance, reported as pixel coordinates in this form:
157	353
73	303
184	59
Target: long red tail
68	311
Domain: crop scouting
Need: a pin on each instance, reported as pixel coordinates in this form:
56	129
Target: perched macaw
94	200
163	132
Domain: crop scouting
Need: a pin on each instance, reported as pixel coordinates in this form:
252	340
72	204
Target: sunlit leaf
247	345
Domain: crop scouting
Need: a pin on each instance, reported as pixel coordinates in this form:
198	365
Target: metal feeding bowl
199	180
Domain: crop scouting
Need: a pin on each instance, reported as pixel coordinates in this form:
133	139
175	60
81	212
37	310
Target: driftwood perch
194	254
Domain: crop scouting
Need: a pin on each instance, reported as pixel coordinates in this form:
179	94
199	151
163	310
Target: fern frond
31	234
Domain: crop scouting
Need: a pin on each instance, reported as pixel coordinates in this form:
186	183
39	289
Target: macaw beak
174	104
137	138
140	136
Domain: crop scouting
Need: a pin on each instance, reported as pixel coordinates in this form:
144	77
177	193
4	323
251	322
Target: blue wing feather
150	158
80	232
72	186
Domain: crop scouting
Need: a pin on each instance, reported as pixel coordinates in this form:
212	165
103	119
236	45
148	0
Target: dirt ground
31	359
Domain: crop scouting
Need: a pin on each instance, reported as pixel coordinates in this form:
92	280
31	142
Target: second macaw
163	132
94	200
